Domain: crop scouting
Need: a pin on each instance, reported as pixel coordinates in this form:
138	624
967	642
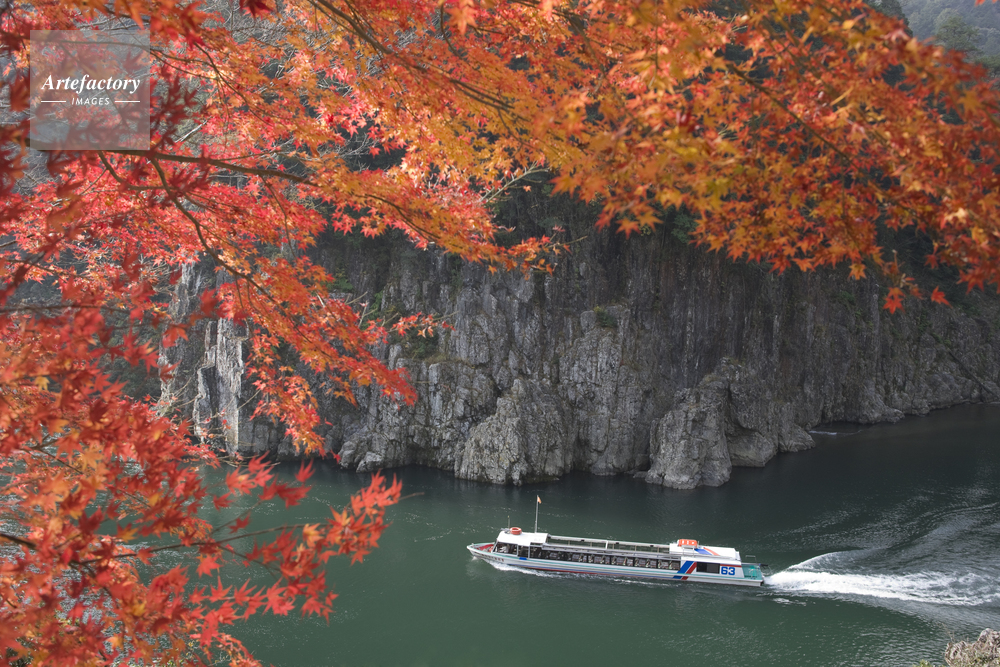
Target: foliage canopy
791	130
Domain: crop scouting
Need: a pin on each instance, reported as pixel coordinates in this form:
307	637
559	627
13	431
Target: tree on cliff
777	128
956	34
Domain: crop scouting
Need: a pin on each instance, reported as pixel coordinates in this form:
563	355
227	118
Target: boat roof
524	539
690	548
722	552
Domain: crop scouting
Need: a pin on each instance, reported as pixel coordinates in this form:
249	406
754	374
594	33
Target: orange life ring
515	531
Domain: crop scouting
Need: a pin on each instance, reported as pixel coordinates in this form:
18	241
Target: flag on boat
539	499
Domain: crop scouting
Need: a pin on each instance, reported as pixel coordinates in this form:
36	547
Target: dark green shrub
605	320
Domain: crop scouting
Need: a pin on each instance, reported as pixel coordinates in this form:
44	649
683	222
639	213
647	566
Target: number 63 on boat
683	560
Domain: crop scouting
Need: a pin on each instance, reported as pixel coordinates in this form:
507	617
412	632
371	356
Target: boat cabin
515	542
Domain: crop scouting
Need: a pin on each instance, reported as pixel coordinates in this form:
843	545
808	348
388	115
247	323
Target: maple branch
114	174
198	228
61	306
154	156
473	92
198	543
530	171
42	448
447	38
815	133
18	540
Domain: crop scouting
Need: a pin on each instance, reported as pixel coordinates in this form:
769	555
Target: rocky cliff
984	652
643	356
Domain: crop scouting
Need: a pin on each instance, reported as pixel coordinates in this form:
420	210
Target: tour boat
683	560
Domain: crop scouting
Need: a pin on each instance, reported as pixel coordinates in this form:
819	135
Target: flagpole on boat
539	499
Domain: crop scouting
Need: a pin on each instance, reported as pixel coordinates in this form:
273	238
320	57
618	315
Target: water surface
884	543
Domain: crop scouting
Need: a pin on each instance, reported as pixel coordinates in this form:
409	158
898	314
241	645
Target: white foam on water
943	588
787	601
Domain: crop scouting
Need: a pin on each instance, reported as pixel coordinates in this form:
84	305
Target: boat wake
842	576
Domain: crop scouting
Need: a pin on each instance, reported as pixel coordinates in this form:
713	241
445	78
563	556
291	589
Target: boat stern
753	572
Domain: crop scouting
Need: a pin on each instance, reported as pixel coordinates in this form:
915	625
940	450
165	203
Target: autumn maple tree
792	130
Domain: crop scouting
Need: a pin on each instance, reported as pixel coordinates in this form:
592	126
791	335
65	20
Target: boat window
710	568
673	564
641	562
536	552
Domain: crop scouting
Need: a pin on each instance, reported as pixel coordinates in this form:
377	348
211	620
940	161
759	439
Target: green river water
884	544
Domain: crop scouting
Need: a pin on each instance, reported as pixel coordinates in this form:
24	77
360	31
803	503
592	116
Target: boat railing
605	545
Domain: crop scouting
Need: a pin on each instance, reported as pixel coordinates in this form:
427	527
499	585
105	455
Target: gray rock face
688	446
717	425
524	440
647	357
984	652
209	385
